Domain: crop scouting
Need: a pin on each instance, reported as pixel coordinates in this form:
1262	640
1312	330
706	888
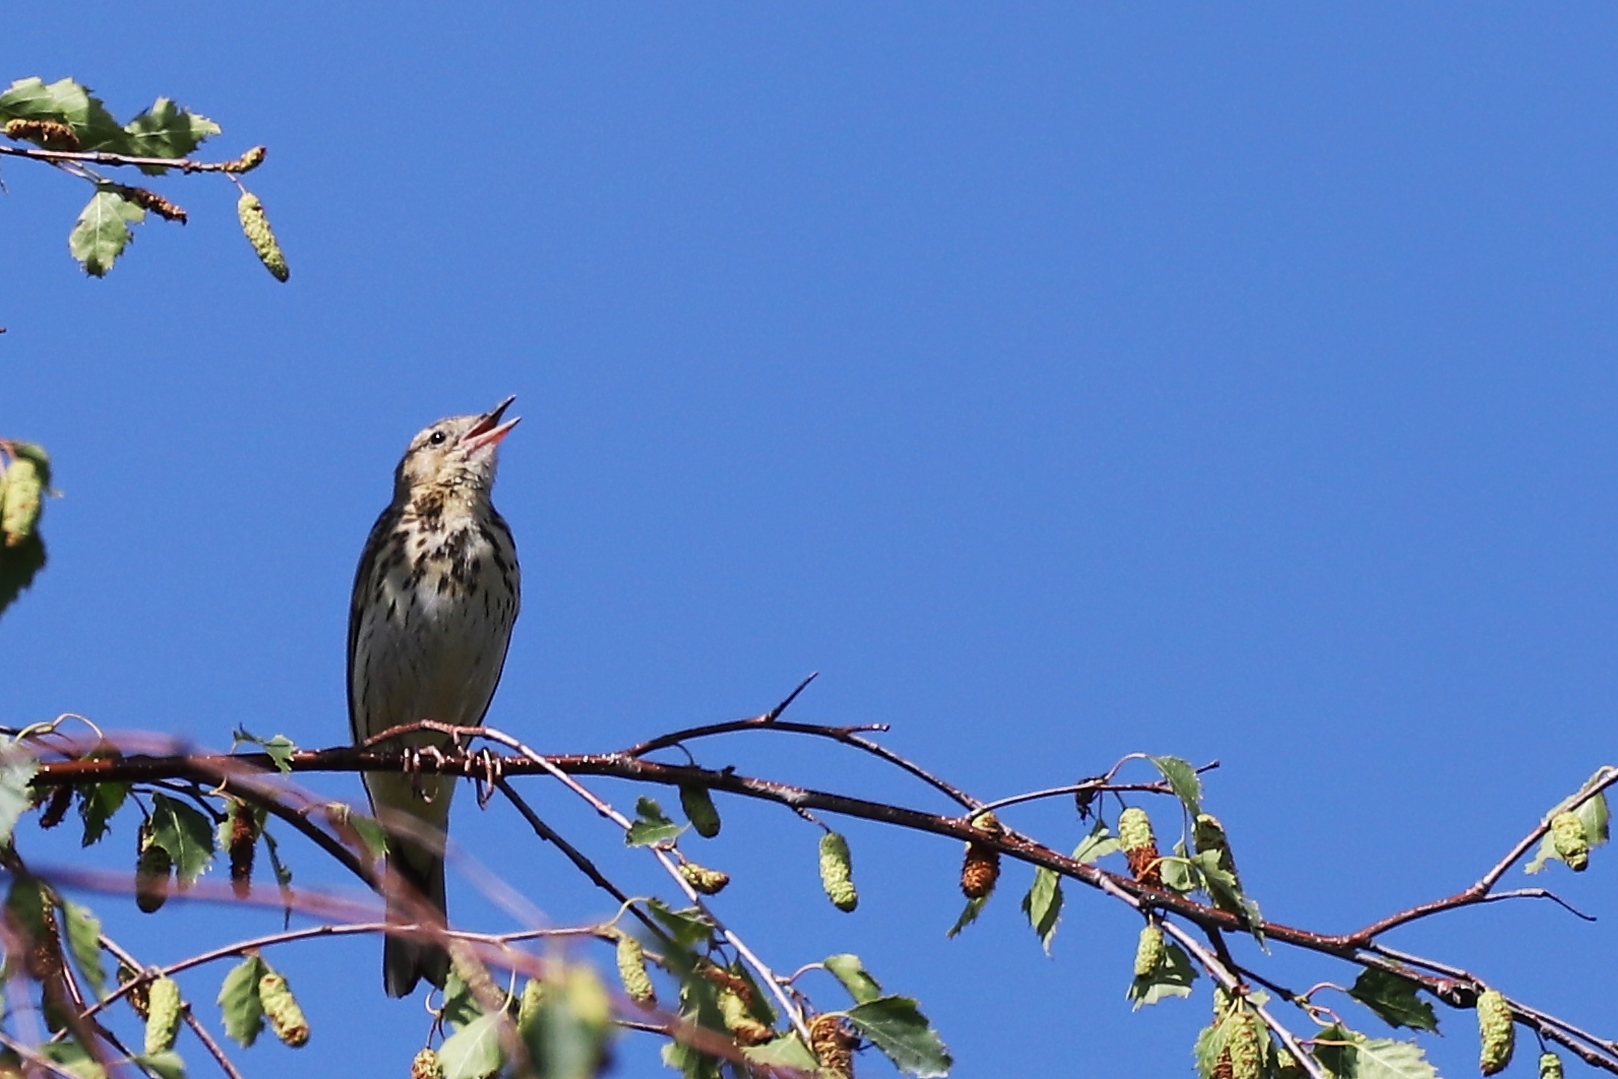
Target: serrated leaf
651	825
239	1001
1043	905
691	1063
279	749
164	1065
1384	1058
17	769
102	231
1095	846
896	1026
461	1008
84	942
1183	781
19	565
66	102
851	972
1393	999
969	914
1172	978
73	1058
688	927
1594	815
787	1051
1225	889
166	130
473	1052
97	804
1211	1044
186	834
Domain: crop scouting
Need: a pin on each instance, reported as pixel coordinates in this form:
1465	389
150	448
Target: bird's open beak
488	431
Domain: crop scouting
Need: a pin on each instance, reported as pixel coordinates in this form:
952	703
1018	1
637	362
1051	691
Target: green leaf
1172	978
84	941
1211	1042
787	1051
1183	781
66	102
1594	815
1348	1054
164	1065
102	231
851	972
691	1063
280	748
461	1007
1043	905
73	1058
240	1003
1393	998
166	130
688	927
896	1026
97	804
19	565
25	906
575	1019
186	834
473	1052
17	769
969	914
1095	846
651	825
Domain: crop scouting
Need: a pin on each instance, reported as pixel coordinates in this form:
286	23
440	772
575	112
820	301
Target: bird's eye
437	438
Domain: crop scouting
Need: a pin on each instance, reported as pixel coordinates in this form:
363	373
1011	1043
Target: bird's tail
406	960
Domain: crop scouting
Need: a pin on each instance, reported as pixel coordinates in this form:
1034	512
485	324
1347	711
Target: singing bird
435	597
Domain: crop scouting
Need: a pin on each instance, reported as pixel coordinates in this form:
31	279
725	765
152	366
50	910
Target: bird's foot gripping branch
517	1003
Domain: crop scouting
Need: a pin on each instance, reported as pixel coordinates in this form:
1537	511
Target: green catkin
1495	1031
281	1008
1550	1066
19	505
426	1066
162	1015
1148	951
256	227
1569	841
632	971
837	872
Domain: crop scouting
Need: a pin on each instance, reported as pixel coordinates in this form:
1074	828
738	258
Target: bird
435	597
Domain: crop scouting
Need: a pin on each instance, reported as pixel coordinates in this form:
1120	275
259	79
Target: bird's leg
492	770
434	754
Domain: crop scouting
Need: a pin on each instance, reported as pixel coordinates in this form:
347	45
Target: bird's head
454	455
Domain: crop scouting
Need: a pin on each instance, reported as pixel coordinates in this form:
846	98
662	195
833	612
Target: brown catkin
151	200
1140	846
137	996
243	842
56	808
1496	1035
48	133
426	1066
704	880
833	1046
740	1022
249	161
980	870
256	227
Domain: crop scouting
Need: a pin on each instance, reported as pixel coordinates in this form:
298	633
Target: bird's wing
385	524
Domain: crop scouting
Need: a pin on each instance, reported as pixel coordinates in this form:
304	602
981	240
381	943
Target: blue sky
1060	382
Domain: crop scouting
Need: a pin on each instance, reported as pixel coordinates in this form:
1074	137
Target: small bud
837	872
56	808
704	880
153	869
833	1046
256	227
1550	1066
282	1010
699	810
632	971
1139	845
1569	841
163	1015
426	1066
1495	1031
244	830
1148	951
740	1022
